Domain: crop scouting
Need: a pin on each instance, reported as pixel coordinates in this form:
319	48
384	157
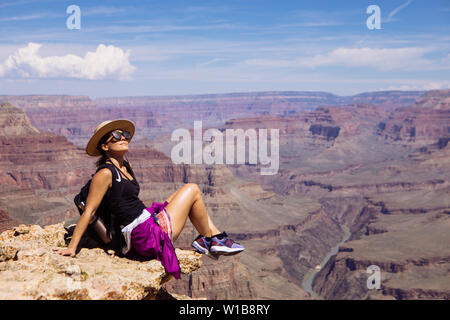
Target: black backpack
90	238
81	198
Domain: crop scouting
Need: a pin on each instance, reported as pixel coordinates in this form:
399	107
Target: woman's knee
193	188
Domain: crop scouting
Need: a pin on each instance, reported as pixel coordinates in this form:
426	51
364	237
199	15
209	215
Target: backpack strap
129	169
119	176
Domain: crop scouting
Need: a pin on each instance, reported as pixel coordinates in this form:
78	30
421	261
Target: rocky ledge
30	270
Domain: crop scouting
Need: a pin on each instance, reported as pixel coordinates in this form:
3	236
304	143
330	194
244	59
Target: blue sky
191	47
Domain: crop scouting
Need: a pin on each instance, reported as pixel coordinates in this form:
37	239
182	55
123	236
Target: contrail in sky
394	12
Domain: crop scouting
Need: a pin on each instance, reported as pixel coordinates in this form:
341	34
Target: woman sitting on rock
148	232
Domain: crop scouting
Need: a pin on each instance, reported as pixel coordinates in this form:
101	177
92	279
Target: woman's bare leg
187	202
212	226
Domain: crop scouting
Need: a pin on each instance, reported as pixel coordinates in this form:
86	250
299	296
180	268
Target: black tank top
124	198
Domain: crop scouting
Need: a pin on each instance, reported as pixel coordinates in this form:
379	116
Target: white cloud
383	59
107	62
24	17
419	85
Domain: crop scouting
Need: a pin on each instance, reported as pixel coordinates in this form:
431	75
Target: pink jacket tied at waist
149	240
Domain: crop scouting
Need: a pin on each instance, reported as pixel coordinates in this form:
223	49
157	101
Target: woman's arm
100	183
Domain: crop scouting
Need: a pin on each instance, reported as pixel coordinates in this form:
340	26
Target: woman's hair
103	158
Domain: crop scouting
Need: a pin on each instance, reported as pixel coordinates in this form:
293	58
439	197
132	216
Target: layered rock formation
386	99
33	102
392	197
428	119
401	229
29	269
226	279
274	102
76	117
411	253
37	170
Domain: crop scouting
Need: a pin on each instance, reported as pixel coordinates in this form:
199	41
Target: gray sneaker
222	244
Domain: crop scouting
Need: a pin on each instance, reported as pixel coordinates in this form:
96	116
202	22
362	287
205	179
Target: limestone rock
29	269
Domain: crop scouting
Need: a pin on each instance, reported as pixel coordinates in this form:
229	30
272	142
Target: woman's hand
65	251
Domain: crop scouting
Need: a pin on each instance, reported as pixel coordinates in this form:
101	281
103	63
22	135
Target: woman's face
114	145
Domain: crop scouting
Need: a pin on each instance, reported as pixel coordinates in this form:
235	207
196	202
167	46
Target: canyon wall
76	117
391	194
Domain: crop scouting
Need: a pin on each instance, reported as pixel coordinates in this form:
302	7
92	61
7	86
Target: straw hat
105	127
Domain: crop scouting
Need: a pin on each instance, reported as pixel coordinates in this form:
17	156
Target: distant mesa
427	119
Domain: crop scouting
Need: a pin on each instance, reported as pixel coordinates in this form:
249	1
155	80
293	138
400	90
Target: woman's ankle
220	235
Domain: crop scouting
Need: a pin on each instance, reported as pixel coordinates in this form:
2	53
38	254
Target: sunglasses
116	136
